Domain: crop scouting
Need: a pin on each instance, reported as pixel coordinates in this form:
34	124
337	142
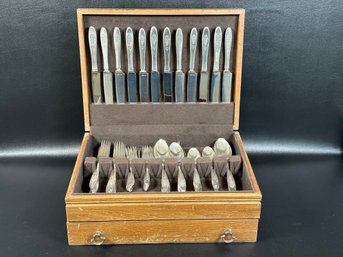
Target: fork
131	152
104	151
147	152
118	152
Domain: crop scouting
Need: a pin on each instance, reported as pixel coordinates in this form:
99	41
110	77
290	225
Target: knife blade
107	76
179	75
192	76
155	75
167	74
204	77
227	75
143	75
119	75
96	77
131	74
216	75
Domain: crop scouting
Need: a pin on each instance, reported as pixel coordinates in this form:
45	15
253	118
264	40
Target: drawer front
172	231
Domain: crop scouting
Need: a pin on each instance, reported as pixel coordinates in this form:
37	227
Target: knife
119	75
107	76
216	75
192	75
96	77
155	75
204	78
143	75
167	74
179	75
131	74
227	75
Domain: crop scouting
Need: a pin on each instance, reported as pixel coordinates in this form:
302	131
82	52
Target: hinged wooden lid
184	18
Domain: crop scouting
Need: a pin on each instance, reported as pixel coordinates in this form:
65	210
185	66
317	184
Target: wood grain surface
162	211
171	231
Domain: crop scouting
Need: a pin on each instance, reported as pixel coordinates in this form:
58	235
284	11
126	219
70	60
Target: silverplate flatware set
176	86
173	155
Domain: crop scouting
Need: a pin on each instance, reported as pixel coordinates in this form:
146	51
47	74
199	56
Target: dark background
291	123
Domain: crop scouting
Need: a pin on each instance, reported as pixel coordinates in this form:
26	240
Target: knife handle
104	47
217	41
205	42
227	46
166	48
153	46
93	47
129	49
142	46
117	47
178	46
192	48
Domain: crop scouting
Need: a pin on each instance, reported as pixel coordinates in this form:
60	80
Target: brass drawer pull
98	238
228	237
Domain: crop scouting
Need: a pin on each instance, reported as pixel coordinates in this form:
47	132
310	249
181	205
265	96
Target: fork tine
101	148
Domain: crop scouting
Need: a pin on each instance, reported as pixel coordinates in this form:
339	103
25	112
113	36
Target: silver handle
217	41
227	46
98	238
228	236
142	46
104	47
192	48
117	47
93	47
205	42
129	49
166	49
153	46
178	46
94	182
111	186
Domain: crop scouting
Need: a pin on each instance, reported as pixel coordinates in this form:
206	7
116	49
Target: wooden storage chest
155	217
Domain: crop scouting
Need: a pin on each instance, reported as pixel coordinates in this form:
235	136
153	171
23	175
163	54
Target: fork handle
111	186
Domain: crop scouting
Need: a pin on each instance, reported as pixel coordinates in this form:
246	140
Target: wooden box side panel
147	232
162	211
240	146
78	164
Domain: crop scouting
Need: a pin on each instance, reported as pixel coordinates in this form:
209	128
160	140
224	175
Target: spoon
161	150
195	154
209	152
223	148
176	151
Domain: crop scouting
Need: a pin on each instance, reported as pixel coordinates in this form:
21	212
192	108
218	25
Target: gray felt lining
143	124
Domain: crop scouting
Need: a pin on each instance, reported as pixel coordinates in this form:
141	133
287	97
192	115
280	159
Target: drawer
168	231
